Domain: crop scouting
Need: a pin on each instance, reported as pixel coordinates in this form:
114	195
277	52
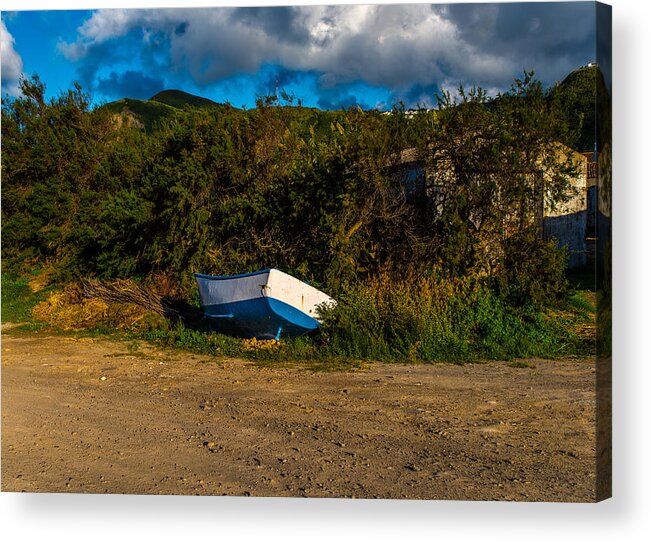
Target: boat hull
268	304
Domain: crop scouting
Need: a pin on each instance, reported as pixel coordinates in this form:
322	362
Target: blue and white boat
266	304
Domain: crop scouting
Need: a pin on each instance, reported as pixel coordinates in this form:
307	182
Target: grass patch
411	320
583	303
425	319
28	328
18	300
196	341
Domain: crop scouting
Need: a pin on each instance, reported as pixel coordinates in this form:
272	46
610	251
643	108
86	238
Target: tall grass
432	319
406	319
18	300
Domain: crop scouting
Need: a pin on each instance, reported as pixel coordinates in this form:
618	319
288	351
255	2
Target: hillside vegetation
420	272
180	99
575	96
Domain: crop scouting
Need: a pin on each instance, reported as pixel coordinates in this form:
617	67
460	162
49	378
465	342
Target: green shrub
432	319
533	272
18	299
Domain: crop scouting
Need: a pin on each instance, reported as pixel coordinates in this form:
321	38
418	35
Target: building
568	222
571	222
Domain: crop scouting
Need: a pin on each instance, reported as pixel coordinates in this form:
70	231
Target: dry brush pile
120	305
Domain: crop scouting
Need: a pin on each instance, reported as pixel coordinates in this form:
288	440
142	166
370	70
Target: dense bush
445	268
434	319
534	271
315	193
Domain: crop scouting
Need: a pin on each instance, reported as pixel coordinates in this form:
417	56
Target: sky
371	56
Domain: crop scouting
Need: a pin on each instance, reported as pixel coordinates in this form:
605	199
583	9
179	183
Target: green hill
147	112
166	104
180	99
575	95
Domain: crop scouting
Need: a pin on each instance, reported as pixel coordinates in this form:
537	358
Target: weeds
413	319
431	320
18	299
196	341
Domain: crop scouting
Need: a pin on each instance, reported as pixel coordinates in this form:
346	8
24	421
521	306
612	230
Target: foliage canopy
334	198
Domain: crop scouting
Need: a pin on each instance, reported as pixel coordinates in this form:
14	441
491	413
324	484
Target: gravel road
95	416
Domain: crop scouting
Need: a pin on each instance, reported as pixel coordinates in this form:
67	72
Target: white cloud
10	62
393	46
378	44
106	24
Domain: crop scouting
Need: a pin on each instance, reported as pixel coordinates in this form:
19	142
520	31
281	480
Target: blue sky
327	56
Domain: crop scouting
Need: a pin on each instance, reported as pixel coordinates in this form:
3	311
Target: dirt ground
94	416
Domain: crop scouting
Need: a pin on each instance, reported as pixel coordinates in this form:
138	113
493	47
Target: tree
489	163
51	151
